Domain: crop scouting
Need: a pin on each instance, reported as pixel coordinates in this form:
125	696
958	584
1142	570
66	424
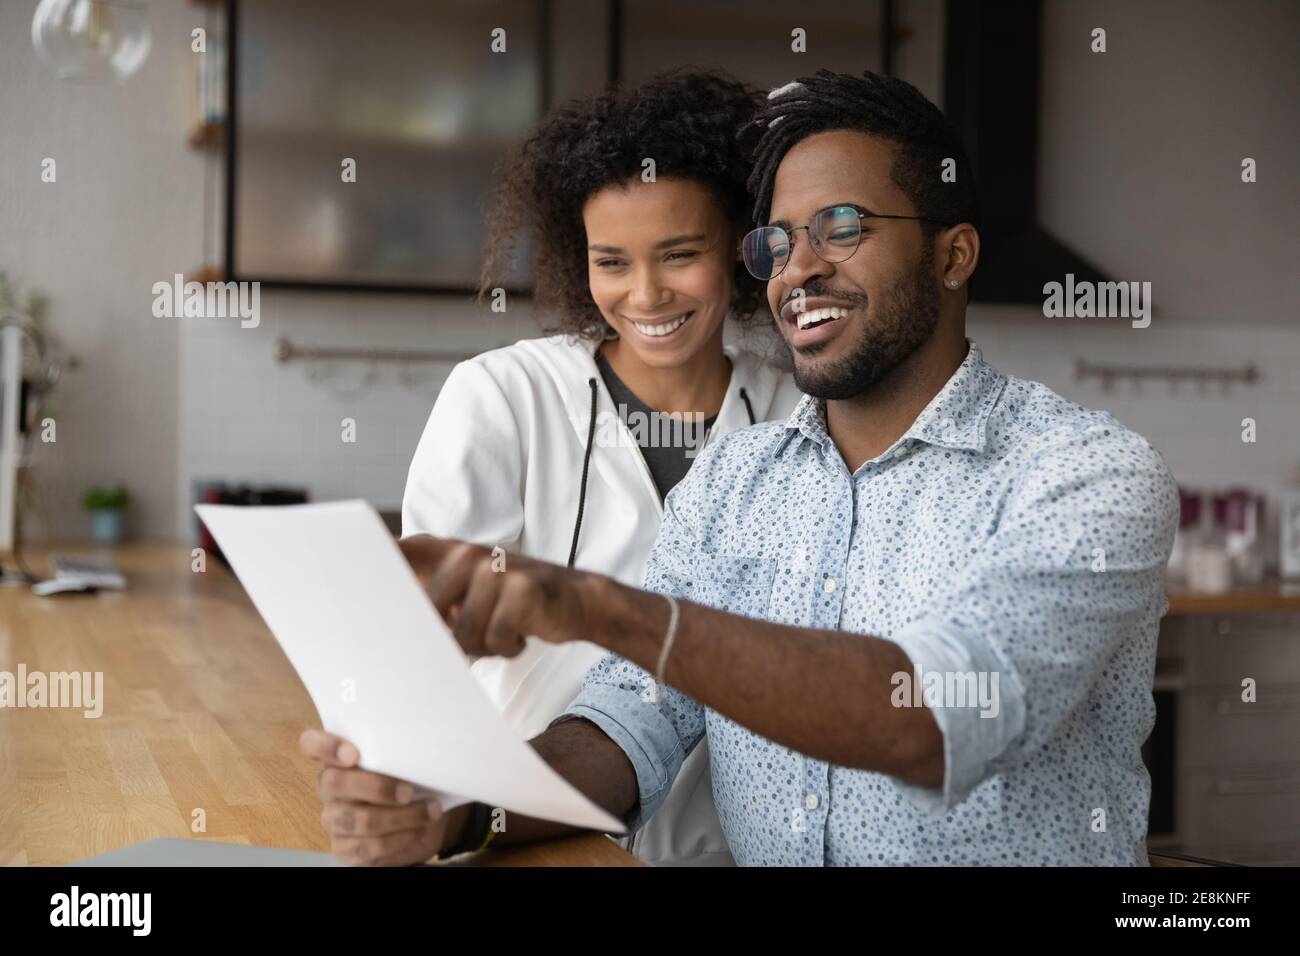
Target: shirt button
811	801
900	451
829	586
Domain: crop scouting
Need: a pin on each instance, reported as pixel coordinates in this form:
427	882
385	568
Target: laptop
173	852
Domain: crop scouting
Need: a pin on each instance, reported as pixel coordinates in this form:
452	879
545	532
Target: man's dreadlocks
883	106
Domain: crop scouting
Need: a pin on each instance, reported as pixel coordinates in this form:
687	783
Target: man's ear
959	251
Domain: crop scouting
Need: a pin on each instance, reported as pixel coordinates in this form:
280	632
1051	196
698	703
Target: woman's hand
374	820
492	601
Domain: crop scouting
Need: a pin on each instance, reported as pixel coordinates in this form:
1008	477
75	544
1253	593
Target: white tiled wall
123	213
247	418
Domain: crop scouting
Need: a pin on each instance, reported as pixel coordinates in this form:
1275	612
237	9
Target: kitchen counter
1271	596
201	711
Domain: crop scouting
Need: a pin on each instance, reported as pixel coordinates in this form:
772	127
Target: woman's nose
647	291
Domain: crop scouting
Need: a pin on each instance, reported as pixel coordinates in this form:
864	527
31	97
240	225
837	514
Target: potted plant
106	504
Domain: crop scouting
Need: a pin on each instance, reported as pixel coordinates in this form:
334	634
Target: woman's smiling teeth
667	328
815	316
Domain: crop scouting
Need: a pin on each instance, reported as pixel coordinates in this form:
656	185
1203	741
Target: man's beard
903	321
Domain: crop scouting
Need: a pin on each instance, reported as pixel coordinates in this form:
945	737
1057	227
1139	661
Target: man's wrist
628	621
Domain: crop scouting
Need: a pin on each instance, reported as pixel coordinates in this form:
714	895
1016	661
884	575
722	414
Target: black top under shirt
667	446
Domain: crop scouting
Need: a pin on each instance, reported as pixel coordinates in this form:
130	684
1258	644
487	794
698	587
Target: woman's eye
608	263
686	254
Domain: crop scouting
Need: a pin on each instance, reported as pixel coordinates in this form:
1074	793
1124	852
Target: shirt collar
955	418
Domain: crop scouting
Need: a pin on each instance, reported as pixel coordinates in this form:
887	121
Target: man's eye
847	234
685	254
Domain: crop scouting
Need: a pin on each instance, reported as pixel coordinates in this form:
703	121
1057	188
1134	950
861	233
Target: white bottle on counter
1209	566
1189	533
1241	513
1289	537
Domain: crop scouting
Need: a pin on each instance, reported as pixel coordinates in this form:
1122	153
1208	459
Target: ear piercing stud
952	283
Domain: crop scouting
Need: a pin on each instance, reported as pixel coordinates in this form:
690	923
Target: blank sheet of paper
381	666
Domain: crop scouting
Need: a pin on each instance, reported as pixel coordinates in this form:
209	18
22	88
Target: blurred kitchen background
1124	165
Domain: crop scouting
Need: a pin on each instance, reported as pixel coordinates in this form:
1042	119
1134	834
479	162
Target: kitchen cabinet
1234	769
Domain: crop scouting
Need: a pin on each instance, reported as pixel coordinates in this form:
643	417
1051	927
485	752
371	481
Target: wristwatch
477	834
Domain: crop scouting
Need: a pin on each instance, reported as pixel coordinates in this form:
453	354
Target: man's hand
374	820
492	604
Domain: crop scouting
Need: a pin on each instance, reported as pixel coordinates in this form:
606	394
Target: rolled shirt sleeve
617	697
1071	576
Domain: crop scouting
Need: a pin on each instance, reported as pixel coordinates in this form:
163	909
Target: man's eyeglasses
834	234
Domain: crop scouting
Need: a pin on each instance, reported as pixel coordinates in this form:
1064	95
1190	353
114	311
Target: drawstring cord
748	407
586	461
586	464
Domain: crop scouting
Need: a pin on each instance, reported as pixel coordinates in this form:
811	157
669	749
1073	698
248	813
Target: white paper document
381	666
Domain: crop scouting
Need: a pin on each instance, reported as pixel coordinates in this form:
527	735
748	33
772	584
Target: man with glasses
917	620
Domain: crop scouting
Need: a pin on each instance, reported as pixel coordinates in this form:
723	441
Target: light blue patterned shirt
1009	536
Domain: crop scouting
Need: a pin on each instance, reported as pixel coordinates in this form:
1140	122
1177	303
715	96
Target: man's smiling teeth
666	328
813	316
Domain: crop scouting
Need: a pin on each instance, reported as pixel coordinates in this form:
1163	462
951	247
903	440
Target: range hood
991	94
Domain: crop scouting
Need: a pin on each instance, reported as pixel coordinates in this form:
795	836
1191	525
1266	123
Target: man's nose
804	265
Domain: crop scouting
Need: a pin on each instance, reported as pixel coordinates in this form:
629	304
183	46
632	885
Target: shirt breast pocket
735	583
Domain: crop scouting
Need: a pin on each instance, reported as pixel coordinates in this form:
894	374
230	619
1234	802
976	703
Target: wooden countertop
201	710
1269	596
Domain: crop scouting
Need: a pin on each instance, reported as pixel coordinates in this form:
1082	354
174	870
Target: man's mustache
819	290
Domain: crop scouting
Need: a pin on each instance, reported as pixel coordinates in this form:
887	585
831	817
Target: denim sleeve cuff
977	727
644	734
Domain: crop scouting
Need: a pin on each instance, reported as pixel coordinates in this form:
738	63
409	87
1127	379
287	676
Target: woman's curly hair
687	120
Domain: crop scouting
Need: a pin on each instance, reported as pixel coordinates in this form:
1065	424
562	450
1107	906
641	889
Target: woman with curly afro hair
631	204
